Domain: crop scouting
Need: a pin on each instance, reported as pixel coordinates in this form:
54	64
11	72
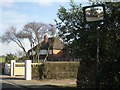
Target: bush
108	74
55	70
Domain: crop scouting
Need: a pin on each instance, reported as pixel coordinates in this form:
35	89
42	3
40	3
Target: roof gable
58	44
53	42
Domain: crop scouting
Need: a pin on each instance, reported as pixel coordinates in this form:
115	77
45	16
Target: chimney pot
45	38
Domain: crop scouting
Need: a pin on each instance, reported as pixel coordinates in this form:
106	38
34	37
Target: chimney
45	38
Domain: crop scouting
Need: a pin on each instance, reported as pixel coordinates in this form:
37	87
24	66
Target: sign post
95	13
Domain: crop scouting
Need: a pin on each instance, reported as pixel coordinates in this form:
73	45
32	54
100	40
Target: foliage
73	31
55	70
109	75
9	57
81	38
87	74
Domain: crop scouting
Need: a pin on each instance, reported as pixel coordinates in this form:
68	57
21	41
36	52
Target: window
50	51
30	53
34	52
43	52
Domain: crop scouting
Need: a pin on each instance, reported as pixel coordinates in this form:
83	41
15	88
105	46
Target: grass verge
63	86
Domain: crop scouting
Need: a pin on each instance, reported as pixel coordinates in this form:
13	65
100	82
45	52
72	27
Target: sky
20	12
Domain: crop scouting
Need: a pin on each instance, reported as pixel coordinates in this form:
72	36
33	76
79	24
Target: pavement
21	83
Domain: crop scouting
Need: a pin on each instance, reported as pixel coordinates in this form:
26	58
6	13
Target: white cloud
49	2
41	2
7	0
11	17
7	4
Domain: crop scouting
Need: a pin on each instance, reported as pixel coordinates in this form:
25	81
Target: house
55	47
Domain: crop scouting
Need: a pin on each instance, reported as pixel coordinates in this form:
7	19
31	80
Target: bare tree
35	32
13	35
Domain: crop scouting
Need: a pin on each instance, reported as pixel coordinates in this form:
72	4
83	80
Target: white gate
22	68
19	68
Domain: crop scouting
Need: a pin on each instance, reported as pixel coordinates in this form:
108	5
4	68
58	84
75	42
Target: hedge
55	70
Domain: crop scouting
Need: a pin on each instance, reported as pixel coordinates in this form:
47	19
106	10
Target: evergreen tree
81	39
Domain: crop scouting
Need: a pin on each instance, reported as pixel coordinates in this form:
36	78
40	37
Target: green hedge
55	70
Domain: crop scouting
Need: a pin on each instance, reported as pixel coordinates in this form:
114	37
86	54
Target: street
18	82
6	84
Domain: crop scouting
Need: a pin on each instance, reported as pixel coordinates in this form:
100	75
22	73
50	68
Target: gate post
27	69
12	67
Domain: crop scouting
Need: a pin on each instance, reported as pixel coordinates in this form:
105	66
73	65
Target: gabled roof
53	42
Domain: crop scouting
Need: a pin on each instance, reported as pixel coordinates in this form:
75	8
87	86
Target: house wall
57	54
56	51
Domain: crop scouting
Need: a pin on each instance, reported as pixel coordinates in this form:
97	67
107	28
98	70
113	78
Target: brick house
56	49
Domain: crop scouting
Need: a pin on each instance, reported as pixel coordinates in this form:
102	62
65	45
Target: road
20	83
6	84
